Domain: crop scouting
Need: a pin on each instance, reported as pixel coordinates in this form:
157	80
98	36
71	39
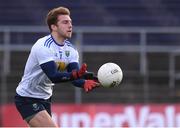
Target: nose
70	25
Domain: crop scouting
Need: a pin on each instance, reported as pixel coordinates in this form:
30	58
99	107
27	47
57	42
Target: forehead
63	17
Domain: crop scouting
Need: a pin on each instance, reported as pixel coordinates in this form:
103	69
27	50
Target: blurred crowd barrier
148	56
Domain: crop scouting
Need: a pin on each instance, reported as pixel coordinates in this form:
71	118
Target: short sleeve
43	54
75	57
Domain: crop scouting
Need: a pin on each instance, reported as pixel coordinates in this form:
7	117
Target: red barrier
104	115
10	116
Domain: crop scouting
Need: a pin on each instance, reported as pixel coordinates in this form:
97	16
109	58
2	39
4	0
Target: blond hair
53	15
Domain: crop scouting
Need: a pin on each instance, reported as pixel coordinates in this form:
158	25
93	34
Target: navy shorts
28	106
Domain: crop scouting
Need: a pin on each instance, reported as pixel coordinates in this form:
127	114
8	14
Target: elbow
53	78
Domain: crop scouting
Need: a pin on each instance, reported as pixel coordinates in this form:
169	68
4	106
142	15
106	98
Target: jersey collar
56	42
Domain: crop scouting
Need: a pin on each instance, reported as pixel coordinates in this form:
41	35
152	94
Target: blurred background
141	36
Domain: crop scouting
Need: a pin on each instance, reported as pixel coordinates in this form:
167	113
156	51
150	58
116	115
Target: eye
67	22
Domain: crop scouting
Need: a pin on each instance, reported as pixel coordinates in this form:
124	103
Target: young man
52	59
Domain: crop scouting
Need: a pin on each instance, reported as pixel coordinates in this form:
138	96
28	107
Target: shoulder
69	44
45	41
42	45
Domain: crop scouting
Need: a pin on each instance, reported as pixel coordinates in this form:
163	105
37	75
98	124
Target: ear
53	27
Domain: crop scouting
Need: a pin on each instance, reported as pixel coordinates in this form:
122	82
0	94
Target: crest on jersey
67	53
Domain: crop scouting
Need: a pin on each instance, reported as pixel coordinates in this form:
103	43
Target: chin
68	37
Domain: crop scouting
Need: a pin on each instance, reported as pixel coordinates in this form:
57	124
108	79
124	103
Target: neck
57	38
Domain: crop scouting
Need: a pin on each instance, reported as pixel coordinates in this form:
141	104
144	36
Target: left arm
88	82
78	82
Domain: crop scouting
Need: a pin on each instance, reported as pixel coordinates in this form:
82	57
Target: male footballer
52	59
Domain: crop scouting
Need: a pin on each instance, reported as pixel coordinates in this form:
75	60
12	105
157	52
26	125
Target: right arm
50	69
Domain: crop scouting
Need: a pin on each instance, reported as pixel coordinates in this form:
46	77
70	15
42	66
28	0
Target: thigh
42	119
47	106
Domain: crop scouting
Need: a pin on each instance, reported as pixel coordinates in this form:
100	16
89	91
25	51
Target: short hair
53	15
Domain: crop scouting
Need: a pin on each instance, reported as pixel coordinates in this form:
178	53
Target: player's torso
62	56
34	81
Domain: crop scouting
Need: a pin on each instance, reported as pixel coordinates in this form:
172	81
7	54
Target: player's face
64	26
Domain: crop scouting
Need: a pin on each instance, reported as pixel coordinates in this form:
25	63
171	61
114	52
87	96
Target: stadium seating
96	13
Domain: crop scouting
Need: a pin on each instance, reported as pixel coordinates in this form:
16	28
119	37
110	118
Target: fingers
91	85
82	70
98	84
84	67
86	89
78	74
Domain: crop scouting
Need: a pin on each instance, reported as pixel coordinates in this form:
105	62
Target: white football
110	75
